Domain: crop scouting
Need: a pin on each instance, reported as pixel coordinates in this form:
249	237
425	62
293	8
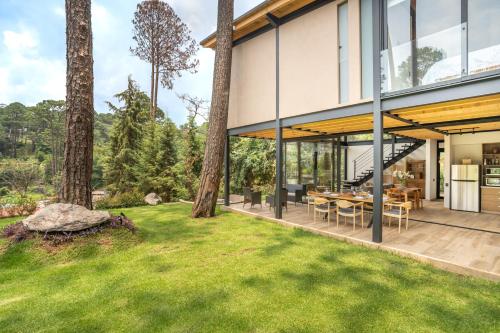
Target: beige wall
308	68
253	82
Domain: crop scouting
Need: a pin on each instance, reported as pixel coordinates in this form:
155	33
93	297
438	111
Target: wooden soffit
256	18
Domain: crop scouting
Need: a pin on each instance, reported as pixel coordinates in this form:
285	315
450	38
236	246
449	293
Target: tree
164	41
193	156
427	56
77	165
125	138
156	172
13	118
19	175
206	199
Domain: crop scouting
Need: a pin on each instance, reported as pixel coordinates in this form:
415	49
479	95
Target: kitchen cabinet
490	199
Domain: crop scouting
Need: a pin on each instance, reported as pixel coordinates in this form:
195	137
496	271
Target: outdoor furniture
349	209
311	195
295	193
398	210
253	198
322	205
270	200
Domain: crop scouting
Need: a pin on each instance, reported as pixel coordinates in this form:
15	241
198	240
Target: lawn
230	274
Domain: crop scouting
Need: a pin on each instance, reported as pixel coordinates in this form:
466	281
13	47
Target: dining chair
398	210
322	205
310	200
349	209
395	193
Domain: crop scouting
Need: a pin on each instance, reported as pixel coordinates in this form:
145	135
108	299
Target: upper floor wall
320	66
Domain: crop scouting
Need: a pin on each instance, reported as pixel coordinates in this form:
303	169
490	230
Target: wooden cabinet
417	169
490	199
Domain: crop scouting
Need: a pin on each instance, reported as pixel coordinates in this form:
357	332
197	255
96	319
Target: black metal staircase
363	164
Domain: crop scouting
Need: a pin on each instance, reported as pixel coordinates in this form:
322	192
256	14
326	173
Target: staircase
363	164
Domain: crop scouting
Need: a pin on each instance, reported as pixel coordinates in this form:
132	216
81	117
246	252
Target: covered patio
461	242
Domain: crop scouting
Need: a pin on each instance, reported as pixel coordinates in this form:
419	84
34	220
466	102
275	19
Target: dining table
410	190
365	199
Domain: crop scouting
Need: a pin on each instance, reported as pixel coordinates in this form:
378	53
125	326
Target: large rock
152	199
65	217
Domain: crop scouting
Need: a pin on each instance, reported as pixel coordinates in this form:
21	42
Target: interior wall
431	165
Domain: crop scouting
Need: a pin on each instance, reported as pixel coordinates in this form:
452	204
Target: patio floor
462	242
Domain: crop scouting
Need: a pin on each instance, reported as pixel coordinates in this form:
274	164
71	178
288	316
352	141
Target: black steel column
393	145
345	157
299	169
378	126
275	22
285	176
227	171
338	163
315	165
332	187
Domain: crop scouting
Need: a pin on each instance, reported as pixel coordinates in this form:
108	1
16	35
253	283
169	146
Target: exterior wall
309	68
253	82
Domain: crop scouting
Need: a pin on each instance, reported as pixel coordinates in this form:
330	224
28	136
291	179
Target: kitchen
474	172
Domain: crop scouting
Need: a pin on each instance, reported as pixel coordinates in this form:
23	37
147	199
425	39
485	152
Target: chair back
394	193
320	201
247	193
406	205
344	204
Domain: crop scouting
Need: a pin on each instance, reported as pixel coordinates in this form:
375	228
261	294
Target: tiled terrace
462	242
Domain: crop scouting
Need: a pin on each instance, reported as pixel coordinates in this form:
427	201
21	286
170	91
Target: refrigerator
465	185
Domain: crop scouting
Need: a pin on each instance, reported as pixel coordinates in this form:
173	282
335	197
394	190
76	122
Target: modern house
416	76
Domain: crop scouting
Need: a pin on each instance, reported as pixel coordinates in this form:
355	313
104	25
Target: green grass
230	274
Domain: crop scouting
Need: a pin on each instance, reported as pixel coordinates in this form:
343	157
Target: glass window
307	162
366	49
325	164
397	59
343	53
484	36
438	45
292	171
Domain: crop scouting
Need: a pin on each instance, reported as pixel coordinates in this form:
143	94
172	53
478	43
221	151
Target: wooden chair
310	200
395	193
322	205
416	198
349	209
398	210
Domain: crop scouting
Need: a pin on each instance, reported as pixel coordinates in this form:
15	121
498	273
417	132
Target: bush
4	191
18	206
122	200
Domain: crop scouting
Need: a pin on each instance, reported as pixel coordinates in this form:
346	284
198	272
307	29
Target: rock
152	199
65	217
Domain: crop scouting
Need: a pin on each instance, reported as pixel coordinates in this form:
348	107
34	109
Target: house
419	78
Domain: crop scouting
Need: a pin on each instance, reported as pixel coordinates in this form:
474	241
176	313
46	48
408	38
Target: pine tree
126	138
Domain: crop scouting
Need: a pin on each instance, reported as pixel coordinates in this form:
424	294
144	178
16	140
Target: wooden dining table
408	190
368	200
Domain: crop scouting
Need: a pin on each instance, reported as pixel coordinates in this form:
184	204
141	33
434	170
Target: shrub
15	206
122	200
4	191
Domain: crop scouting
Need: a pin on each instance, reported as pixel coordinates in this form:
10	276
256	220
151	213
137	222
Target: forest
132	155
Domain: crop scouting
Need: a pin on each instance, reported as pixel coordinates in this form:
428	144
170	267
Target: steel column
299	169
315	165
393	145
378	126
345	157
227	171
338	164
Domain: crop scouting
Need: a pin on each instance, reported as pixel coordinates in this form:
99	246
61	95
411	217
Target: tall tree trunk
77	166
206	200
151	98
155	106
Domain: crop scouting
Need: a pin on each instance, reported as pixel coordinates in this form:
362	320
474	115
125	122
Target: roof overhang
256	18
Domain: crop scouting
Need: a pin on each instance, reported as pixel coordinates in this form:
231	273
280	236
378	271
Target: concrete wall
309	75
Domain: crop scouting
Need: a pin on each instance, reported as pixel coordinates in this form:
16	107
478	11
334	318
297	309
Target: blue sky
32	51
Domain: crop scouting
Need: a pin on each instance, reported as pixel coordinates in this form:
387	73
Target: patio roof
432	121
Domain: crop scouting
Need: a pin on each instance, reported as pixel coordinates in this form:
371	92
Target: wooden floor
451	244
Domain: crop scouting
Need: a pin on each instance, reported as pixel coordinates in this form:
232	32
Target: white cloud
24	74
59	11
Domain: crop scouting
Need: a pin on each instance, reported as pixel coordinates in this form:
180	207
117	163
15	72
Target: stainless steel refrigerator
465	186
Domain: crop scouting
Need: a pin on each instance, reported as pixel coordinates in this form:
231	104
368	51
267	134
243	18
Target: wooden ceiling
462	110
256	18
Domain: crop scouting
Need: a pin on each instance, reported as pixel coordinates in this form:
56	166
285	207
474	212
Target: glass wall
325	164
343	53
291	162
484	35
307	162
431	41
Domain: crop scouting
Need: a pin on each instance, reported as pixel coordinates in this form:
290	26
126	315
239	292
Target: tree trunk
77	166
155	105
206	200
151	98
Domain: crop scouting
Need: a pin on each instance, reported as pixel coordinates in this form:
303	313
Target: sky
33	51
